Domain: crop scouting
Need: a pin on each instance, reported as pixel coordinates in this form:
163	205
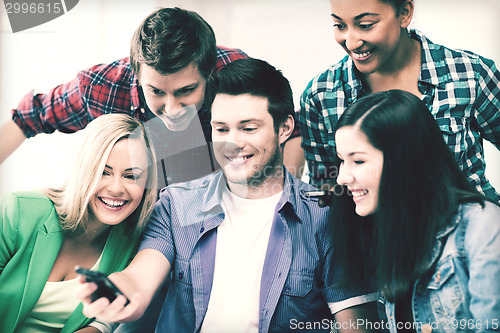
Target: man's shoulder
117	72
226	55
204	183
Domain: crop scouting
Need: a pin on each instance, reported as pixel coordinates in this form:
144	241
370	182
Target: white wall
294	35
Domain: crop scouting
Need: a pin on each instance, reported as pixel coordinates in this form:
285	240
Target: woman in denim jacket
430	240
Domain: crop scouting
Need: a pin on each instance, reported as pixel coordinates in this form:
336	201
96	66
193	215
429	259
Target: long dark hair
421	187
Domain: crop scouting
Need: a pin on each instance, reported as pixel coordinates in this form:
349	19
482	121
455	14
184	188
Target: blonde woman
93	221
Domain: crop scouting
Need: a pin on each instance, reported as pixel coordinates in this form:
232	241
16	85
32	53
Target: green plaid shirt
460	88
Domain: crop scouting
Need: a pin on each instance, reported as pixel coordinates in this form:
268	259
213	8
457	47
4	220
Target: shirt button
426	328
202	229
181	275
287	289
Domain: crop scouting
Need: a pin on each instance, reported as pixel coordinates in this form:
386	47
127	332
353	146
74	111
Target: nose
353	40
345	176
173	106
234	140
115	185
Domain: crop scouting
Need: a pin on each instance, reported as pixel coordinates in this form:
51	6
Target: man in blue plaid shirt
461	89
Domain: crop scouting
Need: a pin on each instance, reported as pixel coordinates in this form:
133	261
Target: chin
177	127
362	211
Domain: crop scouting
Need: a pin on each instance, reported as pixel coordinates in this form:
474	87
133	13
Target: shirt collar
431	53
432	58
452	225
134	89
289	202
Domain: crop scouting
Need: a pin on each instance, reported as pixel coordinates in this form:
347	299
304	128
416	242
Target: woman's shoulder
32	202
476	210
480	221
28	196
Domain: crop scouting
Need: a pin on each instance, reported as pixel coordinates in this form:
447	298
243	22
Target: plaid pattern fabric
461	90
98	90
112	88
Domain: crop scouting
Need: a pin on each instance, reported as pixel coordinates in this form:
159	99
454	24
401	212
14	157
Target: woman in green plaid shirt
461	89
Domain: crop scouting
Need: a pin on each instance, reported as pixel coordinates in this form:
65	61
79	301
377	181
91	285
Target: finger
113	311
118	311
96	309
84	291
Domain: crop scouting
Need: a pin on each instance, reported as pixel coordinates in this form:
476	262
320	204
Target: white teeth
238	159
361	55
113	203
359	193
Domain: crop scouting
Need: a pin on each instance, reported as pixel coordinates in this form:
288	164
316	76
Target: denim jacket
460	292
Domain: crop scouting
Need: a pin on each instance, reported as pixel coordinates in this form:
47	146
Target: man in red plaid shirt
162	83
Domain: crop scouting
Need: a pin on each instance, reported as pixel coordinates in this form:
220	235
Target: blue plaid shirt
299	275
461	89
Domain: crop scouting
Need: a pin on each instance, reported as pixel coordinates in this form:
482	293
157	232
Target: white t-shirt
242	240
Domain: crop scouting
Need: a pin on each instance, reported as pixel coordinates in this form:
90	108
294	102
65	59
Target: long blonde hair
72	200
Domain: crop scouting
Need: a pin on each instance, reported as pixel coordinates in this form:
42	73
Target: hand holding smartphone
105	288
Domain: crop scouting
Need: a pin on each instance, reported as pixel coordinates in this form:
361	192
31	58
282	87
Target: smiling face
246	144
175	98
121	187
361	168
370	31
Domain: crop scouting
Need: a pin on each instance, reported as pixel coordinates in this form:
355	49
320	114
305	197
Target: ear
286	129
406	13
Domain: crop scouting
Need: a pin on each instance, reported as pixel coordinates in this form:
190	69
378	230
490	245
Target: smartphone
105	288
318	194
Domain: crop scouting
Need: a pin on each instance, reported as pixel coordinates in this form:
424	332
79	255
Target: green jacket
30	240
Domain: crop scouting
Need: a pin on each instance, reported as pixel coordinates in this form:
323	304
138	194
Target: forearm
358	319
11	137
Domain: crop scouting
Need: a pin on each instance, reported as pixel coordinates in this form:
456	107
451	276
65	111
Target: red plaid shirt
99	90
113	88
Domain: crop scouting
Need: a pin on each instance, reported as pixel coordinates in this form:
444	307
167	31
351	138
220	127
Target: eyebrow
353	153
246	121
187	86
128	169
356	18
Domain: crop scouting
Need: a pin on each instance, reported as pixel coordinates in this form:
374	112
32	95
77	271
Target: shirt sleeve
226	55
315	141
338	296
104	327
62	108
158	232
69	107
481	241
9	225
487	101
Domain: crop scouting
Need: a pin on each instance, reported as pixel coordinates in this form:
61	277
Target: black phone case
105	288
